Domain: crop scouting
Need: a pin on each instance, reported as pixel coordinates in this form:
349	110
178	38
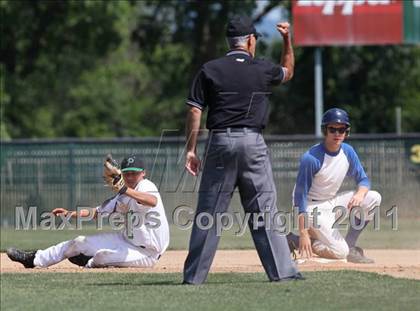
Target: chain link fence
68	173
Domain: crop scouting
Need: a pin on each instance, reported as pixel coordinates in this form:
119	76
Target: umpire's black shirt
235	88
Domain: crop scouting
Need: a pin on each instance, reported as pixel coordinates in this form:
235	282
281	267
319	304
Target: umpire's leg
258	195
216	188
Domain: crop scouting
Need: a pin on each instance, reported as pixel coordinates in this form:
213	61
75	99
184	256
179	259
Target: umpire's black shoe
80	260
297	277
25	258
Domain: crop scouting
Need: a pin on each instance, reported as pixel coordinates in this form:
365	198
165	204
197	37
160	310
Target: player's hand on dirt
283	28
192	163
59	211
356	200
305	247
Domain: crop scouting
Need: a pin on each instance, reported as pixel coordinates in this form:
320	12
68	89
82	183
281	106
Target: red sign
347	22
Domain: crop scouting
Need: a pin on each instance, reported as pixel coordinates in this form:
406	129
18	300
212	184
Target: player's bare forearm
84	213
191	128
288	57
192	162
75	214
362	191
146	199
303	227
305	247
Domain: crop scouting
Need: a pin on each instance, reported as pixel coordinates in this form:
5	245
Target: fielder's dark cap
132	163
241	26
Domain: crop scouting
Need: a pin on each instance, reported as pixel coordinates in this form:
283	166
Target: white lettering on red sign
328	6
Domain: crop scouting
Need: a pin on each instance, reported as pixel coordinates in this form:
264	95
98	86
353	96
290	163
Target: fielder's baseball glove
112	175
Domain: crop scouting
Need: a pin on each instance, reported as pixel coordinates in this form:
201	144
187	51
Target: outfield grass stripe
332	290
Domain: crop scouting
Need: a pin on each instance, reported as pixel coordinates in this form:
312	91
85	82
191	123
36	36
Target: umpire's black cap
241	26
132	163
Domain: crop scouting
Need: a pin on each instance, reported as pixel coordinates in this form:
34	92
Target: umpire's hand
192	163
283	28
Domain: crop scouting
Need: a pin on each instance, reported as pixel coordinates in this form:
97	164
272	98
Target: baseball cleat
79	260
356	255
25	258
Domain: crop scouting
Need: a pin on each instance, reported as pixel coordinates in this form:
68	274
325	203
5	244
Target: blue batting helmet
335	115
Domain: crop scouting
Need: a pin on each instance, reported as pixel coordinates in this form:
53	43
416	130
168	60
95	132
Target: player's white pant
107	249
329	241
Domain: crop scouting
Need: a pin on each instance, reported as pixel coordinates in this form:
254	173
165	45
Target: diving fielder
322	171
141	246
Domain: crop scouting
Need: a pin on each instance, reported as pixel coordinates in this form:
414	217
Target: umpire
234	88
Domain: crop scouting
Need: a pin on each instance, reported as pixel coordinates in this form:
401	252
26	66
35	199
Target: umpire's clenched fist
283	28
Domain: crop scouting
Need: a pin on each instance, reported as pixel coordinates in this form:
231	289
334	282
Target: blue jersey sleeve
309	166
356	170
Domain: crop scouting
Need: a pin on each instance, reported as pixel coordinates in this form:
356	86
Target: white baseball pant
329	243
106	249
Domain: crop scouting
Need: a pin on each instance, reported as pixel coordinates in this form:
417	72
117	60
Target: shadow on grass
177	283
154	283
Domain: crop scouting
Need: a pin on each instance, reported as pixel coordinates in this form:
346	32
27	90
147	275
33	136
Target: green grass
406	237
334	290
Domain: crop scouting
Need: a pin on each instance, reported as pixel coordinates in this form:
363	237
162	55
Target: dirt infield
397	263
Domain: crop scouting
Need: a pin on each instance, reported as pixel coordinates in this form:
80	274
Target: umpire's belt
244	130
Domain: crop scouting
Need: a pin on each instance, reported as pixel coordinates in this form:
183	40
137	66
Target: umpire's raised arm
287	58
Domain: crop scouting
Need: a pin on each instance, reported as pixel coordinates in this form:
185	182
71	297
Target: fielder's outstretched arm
82	213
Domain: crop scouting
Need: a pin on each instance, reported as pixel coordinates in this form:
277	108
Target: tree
45	47
123	68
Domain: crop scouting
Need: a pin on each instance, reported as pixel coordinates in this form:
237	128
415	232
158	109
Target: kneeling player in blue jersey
322	171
